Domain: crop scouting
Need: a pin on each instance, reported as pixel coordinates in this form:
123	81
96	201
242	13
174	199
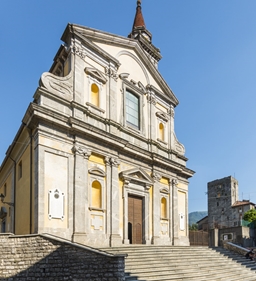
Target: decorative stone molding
111	73
171	111
124	75
114	162
81	151
164	190
60	86
178	147
151	98
141	86
174	182
156	177
95	74
126	182
97	171
107	161
110	161
77	50
162	116
136	176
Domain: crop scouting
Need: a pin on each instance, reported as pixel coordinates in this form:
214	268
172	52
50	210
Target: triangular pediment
96	74
136	175
94	40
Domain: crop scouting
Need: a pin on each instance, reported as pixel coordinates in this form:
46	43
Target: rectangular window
132	110
20	170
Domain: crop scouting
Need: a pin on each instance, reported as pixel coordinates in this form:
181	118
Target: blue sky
209	61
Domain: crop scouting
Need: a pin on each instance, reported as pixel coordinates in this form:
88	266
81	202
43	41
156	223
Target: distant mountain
196	216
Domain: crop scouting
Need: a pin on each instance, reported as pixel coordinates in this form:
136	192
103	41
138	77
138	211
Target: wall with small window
96	195
163	208
94	95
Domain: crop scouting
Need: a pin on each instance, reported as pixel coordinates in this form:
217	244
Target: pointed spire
138	20
144	37
139	27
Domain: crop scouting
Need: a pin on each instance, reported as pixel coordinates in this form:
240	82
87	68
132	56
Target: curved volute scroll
178	147
59	86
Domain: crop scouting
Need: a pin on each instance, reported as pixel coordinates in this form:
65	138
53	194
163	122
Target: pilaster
80	217
171	141
156	210
112	96
175	216
115	238
152	119
171	223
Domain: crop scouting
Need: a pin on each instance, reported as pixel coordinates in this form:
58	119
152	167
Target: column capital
151	98
80	150
156	177
171	111
111	161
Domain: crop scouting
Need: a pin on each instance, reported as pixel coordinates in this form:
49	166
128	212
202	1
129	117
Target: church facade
96	159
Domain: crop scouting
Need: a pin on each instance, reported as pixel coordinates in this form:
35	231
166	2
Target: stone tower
222	194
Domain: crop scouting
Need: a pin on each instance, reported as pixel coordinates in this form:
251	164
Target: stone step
156	263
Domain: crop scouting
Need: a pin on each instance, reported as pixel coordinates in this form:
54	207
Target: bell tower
140	33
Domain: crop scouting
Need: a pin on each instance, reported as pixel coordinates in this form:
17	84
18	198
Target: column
80	194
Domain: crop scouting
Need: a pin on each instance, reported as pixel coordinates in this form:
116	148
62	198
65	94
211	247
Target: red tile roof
242	203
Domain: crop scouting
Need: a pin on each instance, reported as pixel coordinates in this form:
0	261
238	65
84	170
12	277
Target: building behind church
226	212
96	159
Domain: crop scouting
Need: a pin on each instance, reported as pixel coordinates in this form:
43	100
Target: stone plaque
56	204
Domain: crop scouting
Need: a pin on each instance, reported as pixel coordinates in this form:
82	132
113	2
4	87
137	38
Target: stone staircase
237	258
173	263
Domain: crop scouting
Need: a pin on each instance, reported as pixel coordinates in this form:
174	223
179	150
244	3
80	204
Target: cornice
90	45
166	96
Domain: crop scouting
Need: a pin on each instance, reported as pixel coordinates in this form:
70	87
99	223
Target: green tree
194	226
250	215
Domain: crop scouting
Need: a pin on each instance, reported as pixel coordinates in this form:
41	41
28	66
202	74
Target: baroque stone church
96	159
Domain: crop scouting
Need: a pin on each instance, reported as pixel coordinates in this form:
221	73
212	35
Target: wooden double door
135	219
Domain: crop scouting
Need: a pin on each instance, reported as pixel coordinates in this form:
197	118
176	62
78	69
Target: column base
79	238
181	241
156	240
126	242
115	240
